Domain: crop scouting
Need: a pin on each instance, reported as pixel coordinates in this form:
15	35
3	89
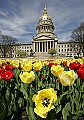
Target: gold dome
45	16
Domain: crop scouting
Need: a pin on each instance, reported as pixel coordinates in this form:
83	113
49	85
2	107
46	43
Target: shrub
52	51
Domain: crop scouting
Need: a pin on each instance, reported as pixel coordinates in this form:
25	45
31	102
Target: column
42	46
56	45
34	46
50	44
47	46
39	46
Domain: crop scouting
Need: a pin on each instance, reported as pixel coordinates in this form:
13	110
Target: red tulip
51	63
74	66
7	75
81	66
80	73
9	67
64	63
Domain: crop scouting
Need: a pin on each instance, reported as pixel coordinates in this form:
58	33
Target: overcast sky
19	18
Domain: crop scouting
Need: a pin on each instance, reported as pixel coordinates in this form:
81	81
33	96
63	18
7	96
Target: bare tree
78	36
6	45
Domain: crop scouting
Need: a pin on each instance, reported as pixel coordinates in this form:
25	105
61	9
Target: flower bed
42	89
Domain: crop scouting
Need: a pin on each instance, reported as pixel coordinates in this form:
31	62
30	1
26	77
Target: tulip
44	101
67	78
56	70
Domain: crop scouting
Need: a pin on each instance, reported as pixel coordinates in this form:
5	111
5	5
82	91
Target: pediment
44	37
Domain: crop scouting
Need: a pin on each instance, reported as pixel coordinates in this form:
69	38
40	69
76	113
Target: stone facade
67	49
22	46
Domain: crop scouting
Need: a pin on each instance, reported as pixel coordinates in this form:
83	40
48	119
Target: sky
19	18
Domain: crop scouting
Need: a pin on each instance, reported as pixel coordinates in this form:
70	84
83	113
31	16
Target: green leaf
71	116
2	110
16	73
39	83
58	109
20	102
65	111
22	89
7	94
80	113
30	112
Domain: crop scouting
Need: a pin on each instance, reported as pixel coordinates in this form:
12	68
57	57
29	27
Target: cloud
66	15
3	13
20	23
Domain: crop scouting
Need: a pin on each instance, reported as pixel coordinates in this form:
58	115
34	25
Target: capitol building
46	39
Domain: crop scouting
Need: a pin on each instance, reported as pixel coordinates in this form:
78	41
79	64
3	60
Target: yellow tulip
15	63
27	66
56	70
27	77
44	101
37	66
2	61
45	63
67	78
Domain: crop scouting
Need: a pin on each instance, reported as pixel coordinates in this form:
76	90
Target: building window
62	50
71	50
